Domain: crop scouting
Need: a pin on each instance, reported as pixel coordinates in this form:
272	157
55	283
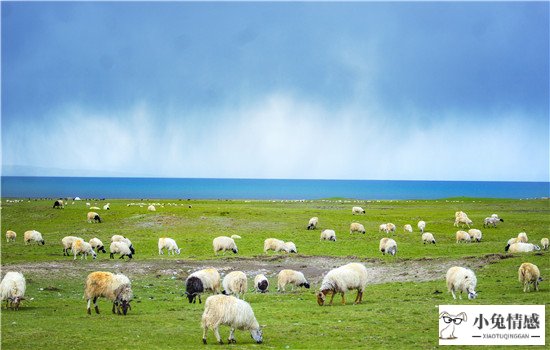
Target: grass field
400	303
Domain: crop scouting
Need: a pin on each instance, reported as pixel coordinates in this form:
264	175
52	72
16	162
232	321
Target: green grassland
396	314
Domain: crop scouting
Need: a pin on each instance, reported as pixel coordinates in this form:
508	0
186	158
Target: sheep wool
421	226
119	238
328	235
543	243
428	237
10	236
169	244
529	274
521	247
232	312
461	279
84	248
341	280
408	228
97	244
313	223
151	208
120	248
116	288
12	289
33	235
273	244
292	277
462	236
67	243
356	227
201	281
388	245
357	210
475	234
235	283
290	247
224	243
93	217
261	283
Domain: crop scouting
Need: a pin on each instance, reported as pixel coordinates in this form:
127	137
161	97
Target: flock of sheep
230	308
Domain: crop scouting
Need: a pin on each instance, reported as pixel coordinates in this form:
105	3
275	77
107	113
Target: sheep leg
204	329
537	285
343	298
217	334
453	293
96	307
231	338
88	310
114	303
332	297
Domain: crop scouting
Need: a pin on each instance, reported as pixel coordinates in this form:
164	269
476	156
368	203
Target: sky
357	90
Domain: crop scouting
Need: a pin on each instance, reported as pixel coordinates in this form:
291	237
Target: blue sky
360	90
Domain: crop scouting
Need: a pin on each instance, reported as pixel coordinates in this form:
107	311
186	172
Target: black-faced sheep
313	223
261	283
428	237
356	227
58	204
120	248
119	238
475	234
342	279
491	221
224	243
93	217
201	281
521	247
328	235
97	245
33	235
294	278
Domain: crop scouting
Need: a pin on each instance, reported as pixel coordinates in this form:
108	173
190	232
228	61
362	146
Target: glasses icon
456	321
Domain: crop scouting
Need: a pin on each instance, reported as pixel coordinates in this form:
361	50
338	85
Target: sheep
290	247
294	278
116	288
200	281
169	244
67	243
12	289
407	228
232	312
151	208
235	283
119	238
107	206
261	283
491	221
356	227
427	237
277	245
94	208
97	245
388	245
328	235
58	204
462	219
461	279
313	223
462	236
383	228
421	225
522	237
529	273
224	243
10	236
521	247
341	280
357	210
390	227
475	234
84	248
93	217
543	243
235	237
120	248
33	235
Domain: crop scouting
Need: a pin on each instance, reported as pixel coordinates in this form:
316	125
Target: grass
393	315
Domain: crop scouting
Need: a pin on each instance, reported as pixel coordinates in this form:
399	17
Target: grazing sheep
328	235
543	243
462	236
277	245
313	223
201	281
107	206
93	217
491	221
407	228
529	273
261	283
235	237
342	279
383	228
421	225
58	204
84	248
120	248
356	227
94	208
521	247
12	289
119	238
151	208
294	278
388	245
390	227
475	234
290	247
462	219
427	237
224	243
232	312
97	245
116	288
460	279
33	235
169	244
357	210
10	236
67	243
235	283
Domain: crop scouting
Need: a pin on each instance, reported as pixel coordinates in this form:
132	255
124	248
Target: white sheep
427	237
342	279
151	208
10	236
67	243
119	238
521	247
491	221
97	245
120	248
388	245
357	210
462	236
235	283
356	227
522	237
407	228
292	277
290	247
461	279
529	273
12	289
169	244
107	206
544	243
232	312
84	248
93	217
462	219
383	228
224	243
390	227
261	283
201	281
313	223
94	208
421	225
475	234
328	235
277	245
116	288
33	235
